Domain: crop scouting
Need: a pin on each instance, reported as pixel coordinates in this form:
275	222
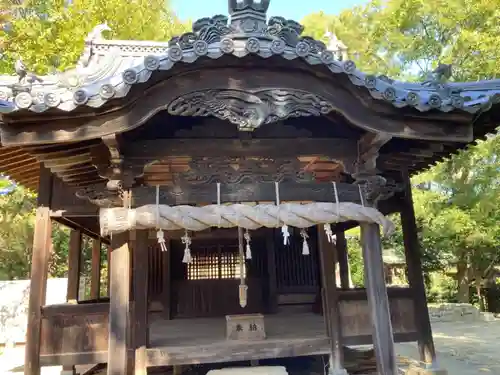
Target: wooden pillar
415	276
341	245
95	280
119	305
140	253
166	258
330	302
378	300
74	261
42	243
271	271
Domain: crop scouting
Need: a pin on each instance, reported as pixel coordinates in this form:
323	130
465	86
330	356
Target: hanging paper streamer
161	240
186	240
248	253
328	232
159	233
305	245
286	234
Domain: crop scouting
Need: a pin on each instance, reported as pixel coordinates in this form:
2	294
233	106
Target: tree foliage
50	34
457	206
408	38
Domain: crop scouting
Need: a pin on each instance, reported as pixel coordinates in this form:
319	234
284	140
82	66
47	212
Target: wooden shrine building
242	114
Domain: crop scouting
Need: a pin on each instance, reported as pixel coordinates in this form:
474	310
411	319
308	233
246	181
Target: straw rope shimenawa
116	220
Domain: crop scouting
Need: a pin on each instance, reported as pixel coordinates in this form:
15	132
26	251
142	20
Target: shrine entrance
277	275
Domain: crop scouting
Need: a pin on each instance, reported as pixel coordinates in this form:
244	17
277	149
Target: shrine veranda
219	171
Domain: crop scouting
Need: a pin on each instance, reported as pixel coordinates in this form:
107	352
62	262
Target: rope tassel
248	253
243	294
243	288
305	245
161	240
186	240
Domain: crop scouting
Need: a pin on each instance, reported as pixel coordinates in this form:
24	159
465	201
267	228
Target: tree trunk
480	298
463	282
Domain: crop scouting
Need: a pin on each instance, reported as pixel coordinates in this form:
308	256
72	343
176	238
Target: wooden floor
194	341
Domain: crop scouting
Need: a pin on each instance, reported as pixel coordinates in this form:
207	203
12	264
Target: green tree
465	218
16	233
51	33
17	220
406	39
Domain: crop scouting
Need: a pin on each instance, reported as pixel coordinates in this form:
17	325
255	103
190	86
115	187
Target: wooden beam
335	148
368	148
86	225
331	311
95	281
74	261
119	306
413	254
237	351
263	192
378	301
140	253
42	241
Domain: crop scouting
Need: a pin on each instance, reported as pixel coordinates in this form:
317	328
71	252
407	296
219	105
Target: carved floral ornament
246	32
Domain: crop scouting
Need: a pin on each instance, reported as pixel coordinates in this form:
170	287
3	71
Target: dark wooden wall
296	273
209	285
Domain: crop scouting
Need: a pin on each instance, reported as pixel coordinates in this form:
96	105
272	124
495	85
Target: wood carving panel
250	110
245	170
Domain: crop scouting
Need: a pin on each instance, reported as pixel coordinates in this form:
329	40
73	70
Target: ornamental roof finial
260	6
248	16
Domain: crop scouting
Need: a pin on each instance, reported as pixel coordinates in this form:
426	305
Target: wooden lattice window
214	262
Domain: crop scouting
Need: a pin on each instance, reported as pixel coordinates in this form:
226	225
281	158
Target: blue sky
291	9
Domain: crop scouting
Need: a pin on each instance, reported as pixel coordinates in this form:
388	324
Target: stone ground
463	349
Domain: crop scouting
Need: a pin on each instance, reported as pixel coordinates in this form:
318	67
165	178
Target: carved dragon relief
248	110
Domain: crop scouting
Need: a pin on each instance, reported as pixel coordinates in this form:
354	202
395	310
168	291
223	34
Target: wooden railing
355	318
74	334
78	334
